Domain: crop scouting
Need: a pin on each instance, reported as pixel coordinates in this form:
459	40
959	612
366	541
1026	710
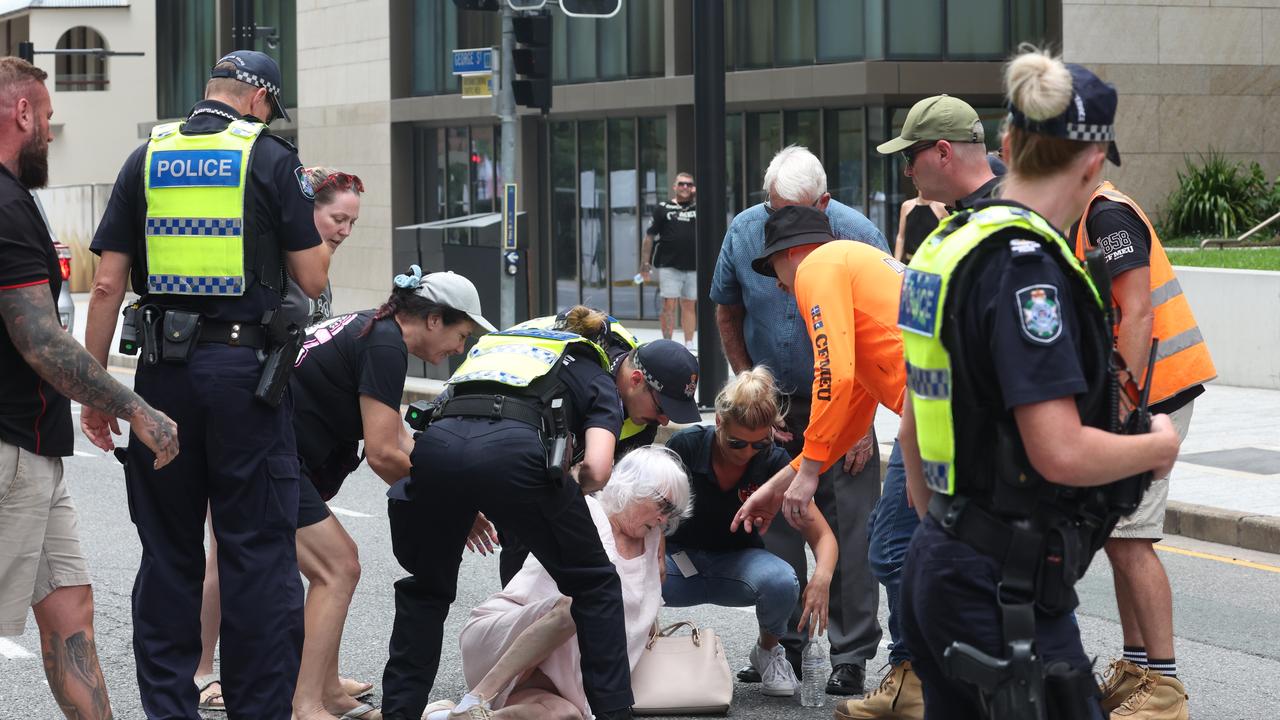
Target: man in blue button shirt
761	325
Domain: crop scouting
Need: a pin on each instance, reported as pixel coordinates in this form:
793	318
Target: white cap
453	290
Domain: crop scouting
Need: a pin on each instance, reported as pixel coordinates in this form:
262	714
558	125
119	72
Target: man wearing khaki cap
944	153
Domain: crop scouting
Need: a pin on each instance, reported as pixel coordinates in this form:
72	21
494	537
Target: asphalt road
1226	612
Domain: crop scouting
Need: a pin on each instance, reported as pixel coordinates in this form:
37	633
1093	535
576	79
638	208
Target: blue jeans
889	532
740	578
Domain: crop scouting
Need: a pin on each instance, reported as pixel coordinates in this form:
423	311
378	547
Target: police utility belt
170	336
550	423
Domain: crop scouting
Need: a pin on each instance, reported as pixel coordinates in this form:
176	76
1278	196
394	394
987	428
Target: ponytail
1039	86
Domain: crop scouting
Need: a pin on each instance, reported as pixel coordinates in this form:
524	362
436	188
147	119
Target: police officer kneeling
527	405
1007	356
201	217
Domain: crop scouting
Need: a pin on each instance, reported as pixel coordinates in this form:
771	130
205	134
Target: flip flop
355	688
210	699
364	711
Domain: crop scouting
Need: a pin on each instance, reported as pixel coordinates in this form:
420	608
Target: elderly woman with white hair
519	648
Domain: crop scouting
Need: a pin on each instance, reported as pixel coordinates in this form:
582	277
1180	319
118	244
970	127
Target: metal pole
708	121
507	113
242	25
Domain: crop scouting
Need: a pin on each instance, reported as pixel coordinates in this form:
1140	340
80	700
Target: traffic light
532	61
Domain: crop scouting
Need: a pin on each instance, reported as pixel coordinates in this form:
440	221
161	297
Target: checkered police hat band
1091	133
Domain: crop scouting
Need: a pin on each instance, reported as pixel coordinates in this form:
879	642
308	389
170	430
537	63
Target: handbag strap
670	630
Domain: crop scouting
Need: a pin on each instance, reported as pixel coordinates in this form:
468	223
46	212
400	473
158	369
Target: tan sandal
355	688
210	696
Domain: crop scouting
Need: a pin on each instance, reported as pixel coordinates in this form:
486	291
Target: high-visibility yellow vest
195	225
619	333
516	358
1182	358
921	312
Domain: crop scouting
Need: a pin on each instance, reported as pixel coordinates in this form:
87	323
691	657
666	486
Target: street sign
477	86
509	217
473	61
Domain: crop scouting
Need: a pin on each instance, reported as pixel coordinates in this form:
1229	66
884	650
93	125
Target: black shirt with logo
338	364
713	509
33	415
675	226
279	203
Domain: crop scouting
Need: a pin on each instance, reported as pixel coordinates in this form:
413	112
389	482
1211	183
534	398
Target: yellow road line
1218	558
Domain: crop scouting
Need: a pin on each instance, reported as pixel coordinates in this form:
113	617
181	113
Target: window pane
185	45
755	33
840	30
564	214
875	29
992	118
442	175
915	29
801	127
428	46
426	174
1028	22
582	49
976	29
734	200
612	47
591	203
764	140
644	42
283	16
899	187
730	34
653	189
876	169
843	161
624	221
458	191
483	161
795	33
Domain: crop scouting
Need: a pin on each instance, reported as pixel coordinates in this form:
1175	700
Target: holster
284	342
181	332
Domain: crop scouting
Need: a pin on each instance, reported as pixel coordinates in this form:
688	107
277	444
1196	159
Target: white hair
795	175
646	474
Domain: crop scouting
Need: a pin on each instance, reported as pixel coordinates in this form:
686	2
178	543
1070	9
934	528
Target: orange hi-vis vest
1182	360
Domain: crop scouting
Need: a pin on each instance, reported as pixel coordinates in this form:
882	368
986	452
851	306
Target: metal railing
1238	242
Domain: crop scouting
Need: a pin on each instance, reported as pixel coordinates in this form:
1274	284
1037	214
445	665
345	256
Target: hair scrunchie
410	281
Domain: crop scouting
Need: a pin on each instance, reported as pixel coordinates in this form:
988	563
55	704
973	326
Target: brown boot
1121	680
899	697
1156	698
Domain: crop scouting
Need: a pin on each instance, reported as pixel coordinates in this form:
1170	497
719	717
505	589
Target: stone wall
1193	75
344	121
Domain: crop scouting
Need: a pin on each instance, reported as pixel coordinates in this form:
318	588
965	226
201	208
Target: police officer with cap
527	405
204	220
1008	437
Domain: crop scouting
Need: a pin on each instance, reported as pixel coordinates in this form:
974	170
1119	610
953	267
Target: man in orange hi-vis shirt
848	291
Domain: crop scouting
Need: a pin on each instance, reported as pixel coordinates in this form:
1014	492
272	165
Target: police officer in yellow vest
527	405
617	342
1148	303
1007	436
204	219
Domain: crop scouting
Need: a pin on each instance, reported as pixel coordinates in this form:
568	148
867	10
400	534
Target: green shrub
1220	198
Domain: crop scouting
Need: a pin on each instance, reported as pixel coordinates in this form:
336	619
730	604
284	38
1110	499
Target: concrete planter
1239	314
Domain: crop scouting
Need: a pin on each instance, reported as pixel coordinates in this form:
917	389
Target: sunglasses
770	209
343	182
654	394
909	155
736	444
666	507
683	183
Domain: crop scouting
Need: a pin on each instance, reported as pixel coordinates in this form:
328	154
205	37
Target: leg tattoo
75	677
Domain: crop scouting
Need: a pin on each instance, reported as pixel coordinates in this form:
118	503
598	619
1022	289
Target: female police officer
1007	356
499	446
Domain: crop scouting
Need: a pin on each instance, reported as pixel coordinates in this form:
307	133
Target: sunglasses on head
737	444
909	155
342	181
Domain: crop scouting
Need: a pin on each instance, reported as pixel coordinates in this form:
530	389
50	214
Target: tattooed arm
32	321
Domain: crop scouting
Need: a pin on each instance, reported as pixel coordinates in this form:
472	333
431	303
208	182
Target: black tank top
919	223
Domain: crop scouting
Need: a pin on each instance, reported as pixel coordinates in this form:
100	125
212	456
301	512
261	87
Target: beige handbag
682	675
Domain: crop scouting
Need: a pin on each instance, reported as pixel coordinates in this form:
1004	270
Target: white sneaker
777	677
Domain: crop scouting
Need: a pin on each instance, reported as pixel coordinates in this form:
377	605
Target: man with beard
41	565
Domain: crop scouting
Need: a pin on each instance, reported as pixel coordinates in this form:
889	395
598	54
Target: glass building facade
602	166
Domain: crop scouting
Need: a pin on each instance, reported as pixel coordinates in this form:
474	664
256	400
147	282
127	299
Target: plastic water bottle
813	671
638	279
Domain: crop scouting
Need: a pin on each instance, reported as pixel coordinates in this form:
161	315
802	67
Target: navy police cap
1089	117
257	69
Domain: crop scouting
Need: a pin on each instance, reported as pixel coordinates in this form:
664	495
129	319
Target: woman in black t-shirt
916	220
709	564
